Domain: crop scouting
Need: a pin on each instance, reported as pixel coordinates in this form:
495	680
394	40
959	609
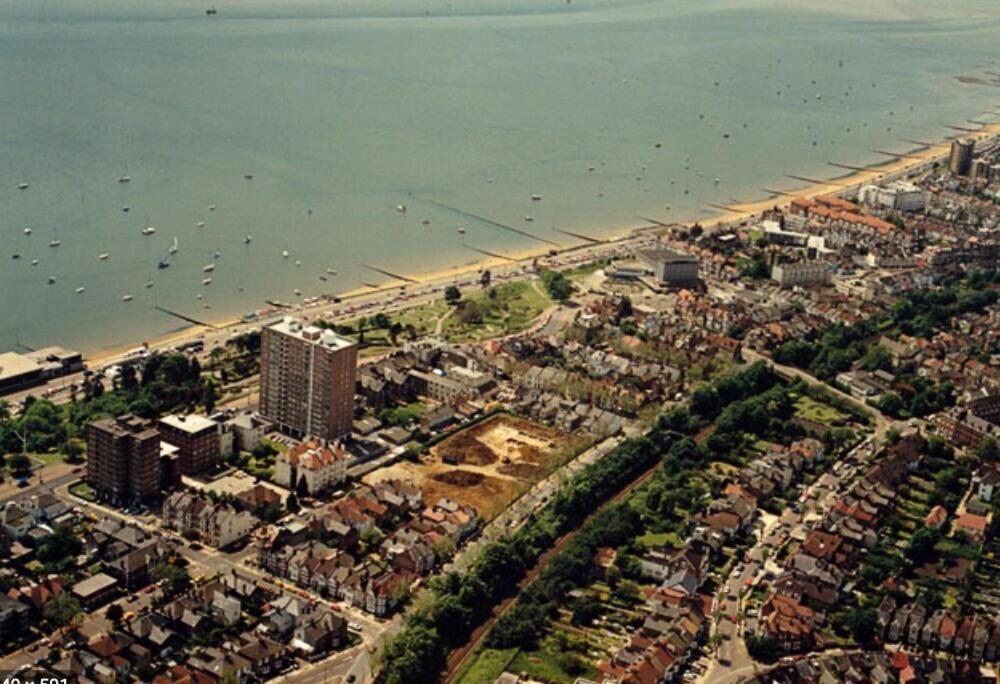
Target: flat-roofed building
897	196
96	590
960	160
18	372
123	459
670	267
802	274
307	377
197	440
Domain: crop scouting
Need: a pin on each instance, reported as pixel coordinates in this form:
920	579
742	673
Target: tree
394	330
381	321
415	655
173	578
987	450
115	612
19	464
877	358
557	285
60	546
73	451
862	622
922	543
469	312
209	396
761	647
62	609
891	404
452	294
585	611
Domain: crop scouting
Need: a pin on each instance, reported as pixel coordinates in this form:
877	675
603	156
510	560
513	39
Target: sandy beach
734	213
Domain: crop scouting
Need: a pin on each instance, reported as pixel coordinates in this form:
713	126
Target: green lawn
810	409
515	308
546	666
423	318
48	458
487	666
403	415
660	539
82	490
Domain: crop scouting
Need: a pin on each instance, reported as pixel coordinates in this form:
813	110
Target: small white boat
22	186
461	231
529	219
717	181
198	296
401	208
206	281
216	254
81	290
208	268
248	176
34	262
148	230
247	239
125	208
174	247
331	271
52	280
103	256
127	298
200	224
124	179
149	283
536	198
426	222
284	254
590	167
298	292
298	263
27	231
15	256
211	207
54	243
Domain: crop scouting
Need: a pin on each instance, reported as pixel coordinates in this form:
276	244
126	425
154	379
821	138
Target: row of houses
912	624
324	552
674	614
197	515
814	574
263	633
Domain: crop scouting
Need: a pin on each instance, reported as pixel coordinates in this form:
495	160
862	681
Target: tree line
458	602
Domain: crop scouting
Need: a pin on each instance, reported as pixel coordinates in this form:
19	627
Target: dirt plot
501	438
486	466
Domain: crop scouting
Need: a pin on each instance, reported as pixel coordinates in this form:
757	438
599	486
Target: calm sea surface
340	111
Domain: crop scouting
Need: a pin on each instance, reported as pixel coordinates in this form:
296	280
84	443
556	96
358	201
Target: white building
802	274
216	524
319	464
897	196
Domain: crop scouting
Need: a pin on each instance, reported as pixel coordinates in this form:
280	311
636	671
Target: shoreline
851	181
